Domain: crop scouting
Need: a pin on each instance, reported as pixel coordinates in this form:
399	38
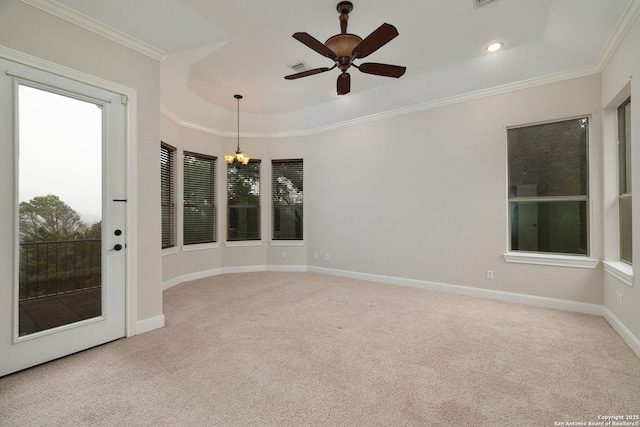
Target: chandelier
239	159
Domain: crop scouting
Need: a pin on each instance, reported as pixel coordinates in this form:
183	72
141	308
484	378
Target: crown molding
627	20
90	24
190	125
498	90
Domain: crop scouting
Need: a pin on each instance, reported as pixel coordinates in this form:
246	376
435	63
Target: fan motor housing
343	44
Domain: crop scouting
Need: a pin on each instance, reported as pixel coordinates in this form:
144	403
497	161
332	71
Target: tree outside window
287	199
548	187
243	202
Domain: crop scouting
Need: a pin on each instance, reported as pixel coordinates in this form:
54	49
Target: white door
63	217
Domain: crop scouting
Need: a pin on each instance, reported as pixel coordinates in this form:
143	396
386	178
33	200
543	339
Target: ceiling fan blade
374	41
344	84
308	73
315	45
385	70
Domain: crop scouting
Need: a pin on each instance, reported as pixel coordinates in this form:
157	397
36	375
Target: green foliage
47	218
243	185
94	231
287	194
58	252
549	161
243	198
551	158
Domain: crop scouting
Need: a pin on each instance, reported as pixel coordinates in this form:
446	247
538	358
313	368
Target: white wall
619	80
423	196
420	196
33	32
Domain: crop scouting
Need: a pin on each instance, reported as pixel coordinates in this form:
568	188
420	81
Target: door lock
117	232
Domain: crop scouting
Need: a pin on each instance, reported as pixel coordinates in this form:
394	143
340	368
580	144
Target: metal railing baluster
53	268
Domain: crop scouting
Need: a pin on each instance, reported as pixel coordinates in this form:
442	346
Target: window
548	187
624	166
287	199
200	215
243	201
167	195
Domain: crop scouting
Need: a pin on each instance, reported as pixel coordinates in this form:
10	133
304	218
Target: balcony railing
54	268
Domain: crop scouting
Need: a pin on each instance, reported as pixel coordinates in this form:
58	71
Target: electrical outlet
315	255
326	257
619	298
489	274
284	254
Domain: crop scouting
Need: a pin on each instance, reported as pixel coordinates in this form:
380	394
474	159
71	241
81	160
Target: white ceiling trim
178	120
623	27
587	71
98	28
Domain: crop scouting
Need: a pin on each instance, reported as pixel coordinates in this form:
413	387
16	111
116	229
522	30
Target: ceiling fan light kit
344	48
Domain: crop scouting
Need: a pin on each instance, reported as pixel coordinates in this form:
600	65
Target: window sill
199	247
551	259
242	243
619	270
286	242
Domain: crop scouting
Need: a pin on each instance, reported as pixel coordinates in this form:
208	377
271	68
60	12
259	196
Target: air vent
482	2
299	67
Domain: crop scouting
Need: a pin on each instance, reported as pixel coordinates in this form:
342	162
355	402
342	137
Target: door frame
129	97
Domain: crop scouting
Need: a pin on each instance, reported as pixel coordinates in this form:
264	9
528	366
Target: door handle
117	247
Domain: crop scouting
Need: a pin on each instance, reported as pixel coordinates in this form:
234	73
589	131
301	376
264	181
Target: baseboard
232	270
531	300
243	269
147	325
191	276
288	268
624	332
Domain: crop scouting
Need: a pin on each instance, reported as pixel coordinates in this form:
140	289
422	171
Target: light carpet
303	349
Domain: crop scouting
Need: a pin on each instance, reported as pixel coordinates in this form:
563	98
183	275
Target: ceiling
217	48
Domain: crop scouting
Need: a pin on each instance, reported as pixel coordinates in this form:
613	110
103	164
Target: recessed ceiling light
494	47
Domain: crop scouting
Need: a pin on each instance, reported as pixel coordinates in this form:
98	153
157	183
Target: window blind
287	199
243	202
200	215
625	219
167	195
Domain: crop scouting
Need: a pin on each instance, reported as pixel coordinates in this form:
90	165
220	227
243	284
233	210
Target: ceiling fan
344	48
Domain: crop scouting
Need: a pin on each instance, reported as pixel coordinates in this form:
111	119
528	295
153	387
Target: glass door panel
60	209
